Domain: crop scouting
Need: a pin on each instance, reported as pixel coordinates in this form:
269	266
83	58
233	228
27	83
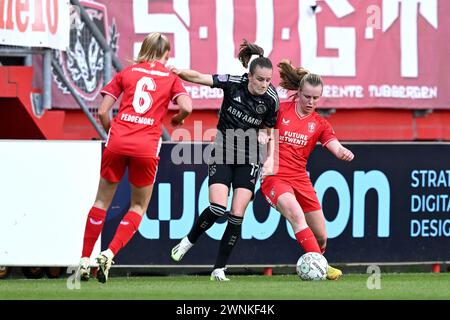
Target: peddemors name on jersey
137	119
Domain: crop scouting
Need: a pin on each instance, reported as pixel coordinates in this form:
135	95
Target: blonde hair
154	47
295	78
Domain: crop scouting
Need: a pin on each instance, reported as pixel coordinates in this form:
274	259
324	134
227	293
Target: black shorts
235	175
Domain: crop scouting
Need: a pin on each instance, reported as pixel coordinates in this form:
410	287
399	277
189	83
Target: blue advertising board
391	204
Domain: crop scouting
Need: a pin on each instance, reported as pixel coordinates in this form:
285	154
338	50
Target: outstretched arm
339	151
193	76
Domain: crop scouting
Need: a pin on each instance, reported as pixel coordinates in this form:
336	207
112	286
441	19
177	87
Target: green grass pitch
277	287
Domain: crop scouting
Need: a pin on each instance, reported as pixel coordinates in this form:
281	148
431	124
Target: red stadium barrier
18	120
350	125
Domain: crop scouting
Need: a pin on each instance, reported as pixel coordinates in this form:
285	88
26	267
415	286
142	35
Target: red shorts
272	187
141	170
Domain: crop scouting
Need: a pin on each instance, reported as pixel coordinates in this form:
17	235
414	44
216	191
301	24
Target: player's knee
293	219
237	213
296	219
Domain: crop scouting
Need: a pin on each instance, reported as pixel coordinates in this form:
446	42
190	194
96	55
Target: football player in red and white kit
250	105
289	189
134	140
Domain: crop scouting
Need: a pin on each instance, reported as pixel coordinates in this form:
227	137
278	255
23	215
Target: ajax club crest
261	108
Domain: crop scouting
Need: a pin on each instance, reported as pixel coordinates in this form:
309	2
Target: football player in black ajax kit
250	104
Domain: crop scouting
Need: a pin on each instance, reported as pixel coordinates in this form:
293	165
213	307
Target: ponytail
154	47
246	51
295	78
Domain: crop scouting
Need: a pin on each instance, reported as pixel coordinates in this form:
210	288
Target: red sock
93	228
307	240
127	227
322	250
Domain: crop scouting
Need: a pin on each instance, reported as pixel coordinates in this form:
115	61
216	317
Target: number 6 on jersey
142	98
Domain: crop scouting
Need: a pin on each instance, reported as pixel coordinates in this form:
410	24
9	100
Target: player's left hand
263	137
346	154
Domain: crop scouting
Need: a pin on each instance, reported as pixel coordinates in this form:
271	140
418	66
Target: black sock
229	239
206	220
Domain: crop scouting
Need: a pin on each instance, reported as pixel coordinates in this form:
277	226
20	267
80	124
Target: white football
312	266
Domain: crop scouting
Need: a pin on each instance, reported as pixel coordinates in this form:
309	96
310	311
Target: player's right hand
173	69
268	168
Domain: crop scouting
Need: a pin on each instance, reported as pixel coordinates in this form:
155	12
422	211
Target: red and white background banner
35	23
373	53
